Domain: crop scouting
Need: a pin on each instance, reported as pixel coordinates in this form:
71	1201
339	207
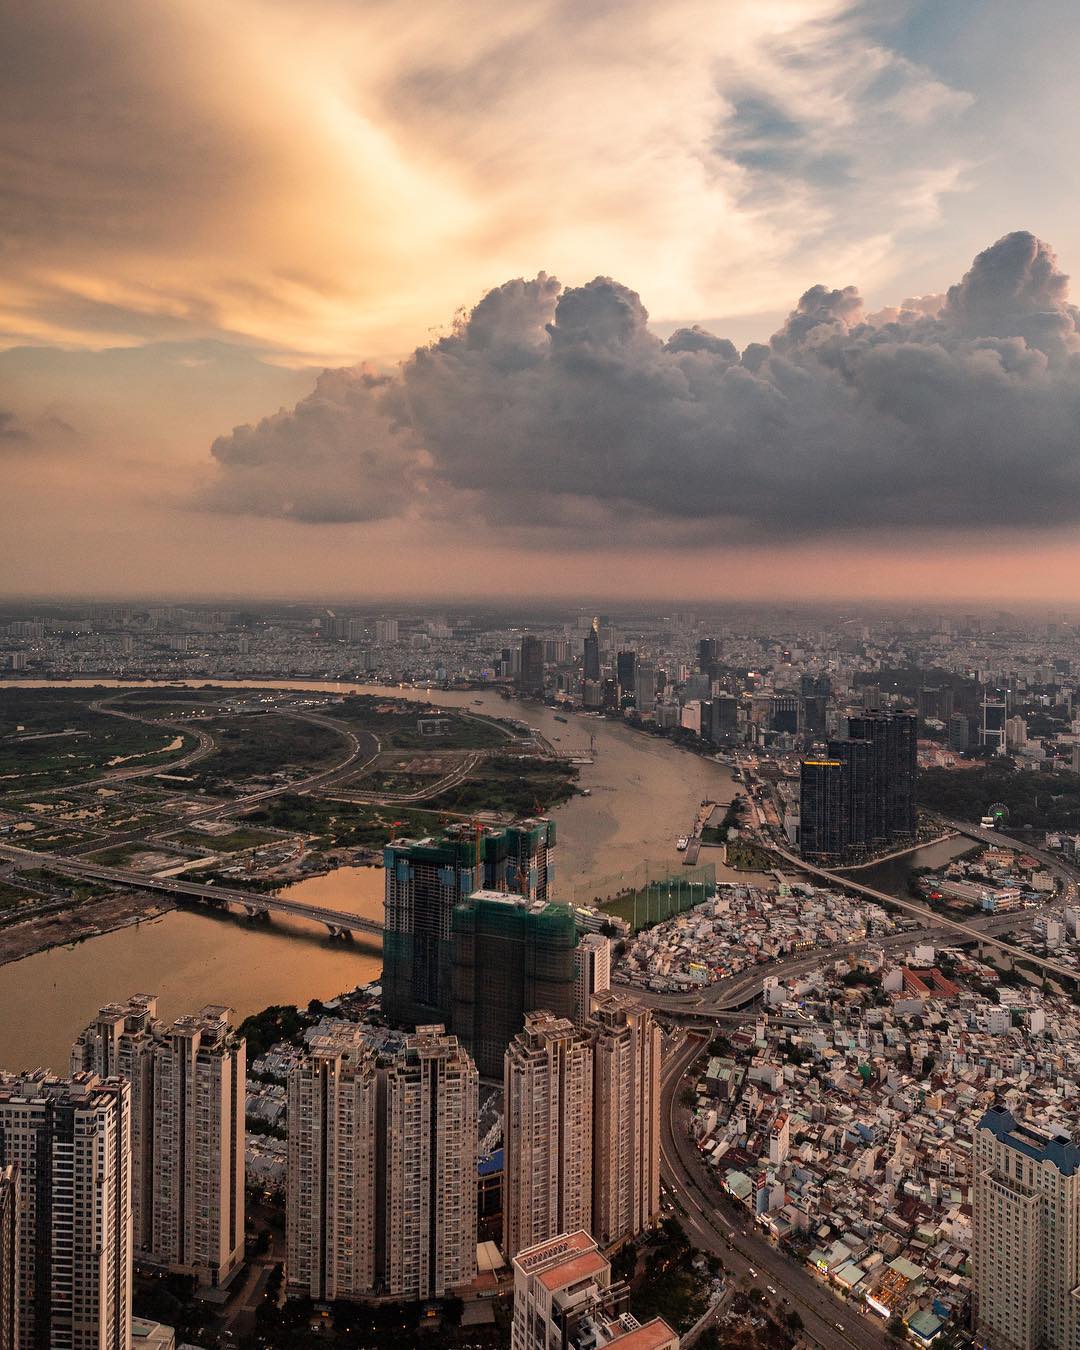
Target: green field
395	724
76	743
256	745
345	824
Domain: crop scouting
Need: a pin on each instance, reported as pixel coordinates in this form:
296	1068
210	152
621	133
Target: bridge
339	924
970	931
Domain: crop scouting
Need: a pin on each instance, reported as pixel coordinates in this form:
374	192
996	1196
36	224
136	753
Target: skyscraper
645	687
626	1118
332	1168
894	736
9	1256
547	1132
564	1296
591	653
592	974
1026	1235
200	1092
822	834
428	1178
70	1140
531	675
510	955
120	1041
995	713
424	880
858	786
626	664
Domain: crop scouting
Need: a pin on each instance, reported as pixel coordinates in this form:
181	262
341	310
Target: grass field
396	725
71	743
260	744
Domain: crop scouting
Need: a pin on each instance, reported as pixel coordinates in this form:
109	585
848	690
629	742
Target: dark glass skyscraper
822	835
531	675
626	671
592	652
877	769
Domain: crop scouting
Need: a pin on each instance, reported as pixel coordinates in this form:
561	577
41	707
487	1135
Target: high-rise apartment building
386	631
120	1041
424	880
510	955
547	1132
592	974
626	664
645	686
564	1297
822	834
531	671
1026	1236
200	1092
863	794
427	1184
332	1168
9	1256
626	1118
70	1140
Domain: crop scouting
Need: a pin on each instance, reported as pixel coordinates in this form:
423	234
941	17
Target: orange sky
217	198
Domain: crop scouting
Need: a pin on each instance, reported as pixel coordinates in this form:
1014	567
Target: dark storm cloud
960	412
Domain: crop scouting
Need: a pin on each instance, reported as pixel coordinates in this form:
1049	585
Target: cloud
547	408
151	191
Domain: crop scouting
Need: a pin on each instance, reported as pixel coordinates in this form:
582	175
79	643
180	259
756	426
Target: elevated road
969	930
338	923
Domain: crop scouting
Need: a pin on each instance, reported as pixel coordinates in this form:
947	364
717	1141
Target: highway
730	1233
253	902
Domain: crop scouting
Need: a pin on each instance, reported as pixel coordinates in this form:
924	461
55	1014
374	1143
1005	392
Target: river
892	876
643	794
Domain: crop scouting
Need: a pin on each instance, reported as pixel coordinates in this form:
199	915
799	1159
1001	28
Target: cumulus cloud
554	405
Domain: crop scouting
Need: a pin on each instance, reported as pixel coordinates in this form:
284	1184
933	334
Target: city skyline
185	263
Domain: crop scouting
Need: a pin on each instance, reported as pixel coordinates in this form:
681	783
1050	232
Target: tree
896	1327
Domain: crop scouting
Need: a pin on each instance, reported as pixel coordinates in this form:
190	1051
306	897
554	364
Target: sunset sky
704	298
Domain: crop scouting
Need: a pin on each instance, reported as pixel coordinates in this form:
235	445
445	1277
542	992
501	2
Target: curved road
730	1234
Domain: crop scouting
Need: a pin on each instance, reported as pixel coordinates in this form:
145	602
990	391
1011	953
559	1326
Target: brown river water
644	794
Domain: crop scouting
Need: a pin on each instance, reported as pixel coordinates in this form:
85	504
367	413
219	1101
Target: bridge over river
339	924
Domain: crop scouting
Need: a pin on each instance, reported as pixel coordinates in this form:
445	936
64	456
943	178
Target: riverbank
901	852
91	919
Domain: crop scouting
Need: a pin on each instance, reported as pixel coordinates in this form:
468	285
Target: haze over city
626	300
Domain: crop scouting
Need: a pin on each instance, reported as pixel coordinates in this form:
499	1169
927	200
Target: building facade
626	1119
547	1132
120	1041
1026	1236
70	1140
427	1184
331	1169
424	880
9	1256
510	955
199	1099
531	672
592	974
564	1297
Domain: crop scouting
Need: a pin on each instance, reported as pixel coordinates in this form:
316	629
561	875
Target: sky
707	299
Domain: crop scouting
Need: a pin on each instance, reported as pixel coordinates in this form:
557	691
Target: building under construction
425	879
511	954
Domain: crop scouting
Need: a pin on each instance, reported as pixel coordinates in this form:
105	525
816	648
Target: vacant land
258	745
397	725
344	824
512	784
52	738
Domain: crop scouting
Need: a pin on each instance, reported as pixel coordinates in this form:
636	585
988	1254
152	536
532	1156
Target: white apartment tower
120	1041
331	1173
626	1118
592	973
199	1100
547	1132
9	1257
1026	1236
427	1181
563	1296
70	1142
